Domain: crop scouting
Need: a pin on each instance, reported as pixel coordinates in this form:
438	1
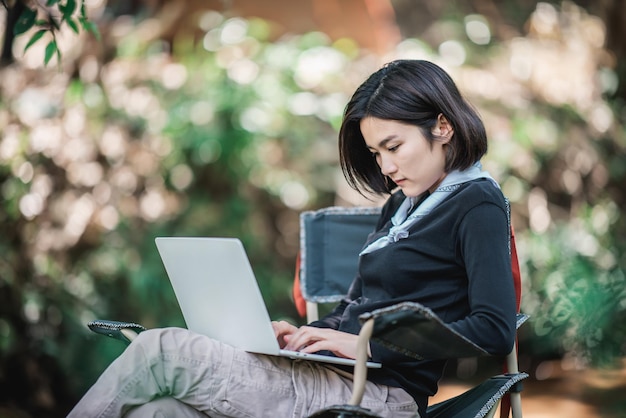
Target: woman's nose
387	165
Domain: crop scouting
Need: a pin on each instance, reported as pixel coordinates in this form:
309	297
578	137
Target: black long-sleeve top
455	261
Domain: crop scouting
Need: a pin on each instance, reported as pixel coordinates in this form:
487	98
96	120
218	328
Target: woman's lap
222	381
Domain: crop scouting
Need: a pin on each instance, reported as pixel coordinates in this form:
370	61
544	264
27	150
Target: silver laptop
219	296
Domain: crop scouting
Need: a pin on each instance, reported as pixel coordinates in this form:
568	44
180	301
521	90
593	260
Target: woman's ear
443	130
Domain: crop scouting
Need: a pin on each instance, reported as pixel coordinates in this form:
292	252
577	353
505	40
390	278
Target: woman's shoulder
481	191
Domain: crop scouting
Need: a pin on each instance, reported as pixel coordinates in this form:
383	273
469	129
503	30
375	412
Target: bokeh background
206	117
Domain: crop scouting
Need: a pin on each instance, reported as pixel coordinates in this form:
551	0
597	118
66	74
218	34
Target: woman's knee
156	335
172	341
155	342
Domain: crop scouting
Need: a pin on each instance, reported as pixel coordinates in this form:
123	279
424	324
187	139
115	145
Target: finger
316	346
282	332
306	336
298	339
283	327
341	344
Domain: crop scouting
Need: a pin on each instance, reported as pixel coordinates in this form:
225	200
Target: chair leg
515	397
360	368
312	312
492	411
352	409
516	405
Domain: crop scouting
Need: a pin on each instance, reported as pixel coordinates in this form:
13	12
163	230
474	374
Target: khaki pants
221	381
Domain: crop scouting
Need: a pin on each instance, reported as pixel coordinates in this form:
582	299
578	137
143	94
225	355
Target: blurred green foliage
576	301
155	148
231	132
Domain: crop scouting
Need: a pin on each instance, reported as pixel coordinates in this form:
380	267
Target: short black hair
415	92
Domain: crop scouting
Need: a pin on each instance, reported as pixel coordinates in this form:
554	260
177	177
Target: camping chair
330	241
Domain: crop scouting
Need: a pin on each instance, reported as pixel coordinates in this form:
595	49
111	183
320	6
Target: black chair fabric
414	330
331	240
478	401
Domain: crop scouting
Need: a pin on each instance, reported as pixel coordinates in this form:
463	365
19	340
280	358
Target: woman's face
405	155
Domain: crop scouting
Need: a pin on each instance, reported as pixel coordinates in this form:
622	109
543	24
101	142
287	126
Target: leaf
37	36
72	24
89	27
50	50
69	9
25	21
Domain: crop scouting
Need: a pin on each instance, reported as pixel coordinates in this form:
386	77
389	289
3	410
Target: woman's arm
483	242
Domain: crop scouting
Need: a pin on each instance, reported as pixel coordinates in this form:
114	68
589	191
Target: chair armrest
478	401
521	319
123	331
414	330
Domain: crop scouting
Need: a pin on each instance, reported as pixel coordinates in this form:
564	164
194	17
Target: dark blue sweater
455	261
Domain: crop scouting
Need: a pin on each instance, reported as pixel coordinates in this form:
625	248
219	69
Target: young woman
442	240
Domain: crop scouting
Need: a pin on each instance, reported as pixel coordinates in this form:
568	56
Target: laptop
219	296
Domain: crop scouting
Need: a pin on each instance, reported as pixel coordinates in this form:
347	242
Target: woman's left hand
311	339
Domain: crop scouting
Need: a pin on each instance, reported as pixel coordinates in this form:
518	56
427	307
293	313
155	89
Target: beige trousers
221	381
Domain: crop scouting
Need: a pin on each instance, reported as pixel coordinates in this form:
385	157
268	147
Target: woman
442	240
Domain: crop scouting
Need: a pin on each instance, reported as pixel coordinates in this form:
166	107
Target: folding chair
331	239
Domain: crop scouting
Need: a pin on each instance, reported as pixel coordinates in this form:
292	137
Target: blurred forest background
202	117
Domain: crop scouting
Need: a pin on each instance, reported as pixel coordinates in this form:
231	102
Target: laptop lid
217	291
219	296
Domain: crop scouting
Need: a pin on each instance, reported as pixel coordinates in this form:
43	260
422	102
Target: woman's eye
394	148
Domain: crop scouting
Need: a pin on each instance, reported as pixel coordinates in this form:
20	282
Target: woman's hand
282	331
311	339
